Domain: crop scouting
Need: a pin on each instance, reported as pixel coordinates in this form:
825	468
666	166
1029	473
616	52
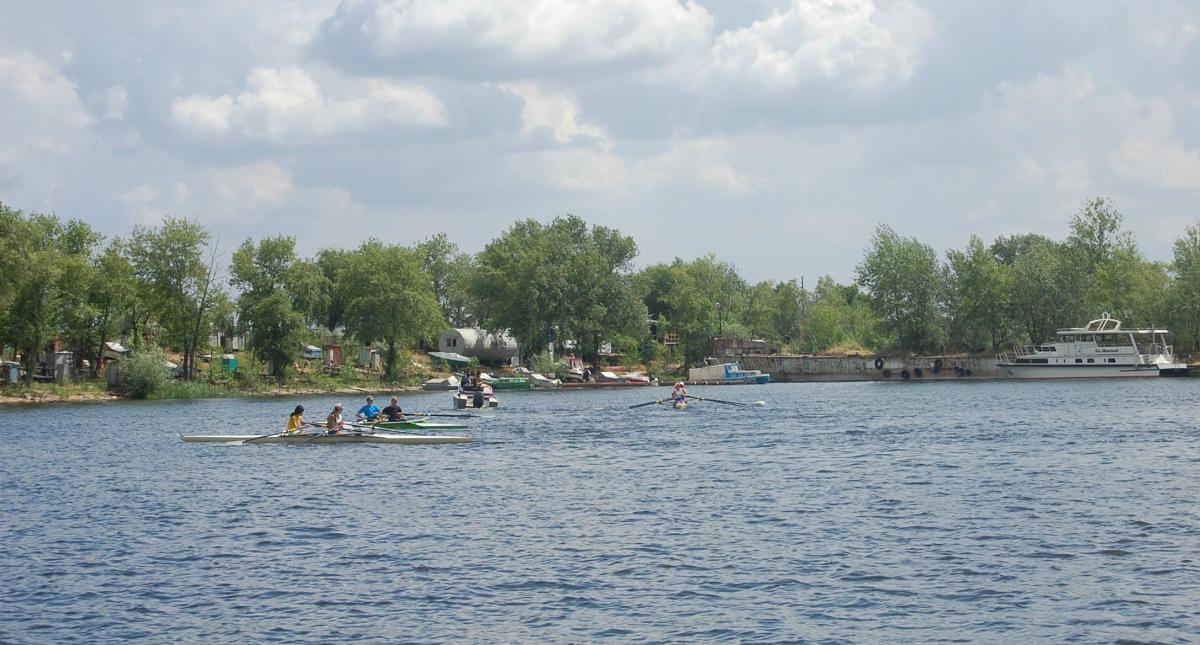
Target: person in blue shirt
369	411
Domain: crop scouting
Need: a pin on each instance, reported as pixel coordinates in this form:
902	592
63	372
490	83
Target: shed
476	343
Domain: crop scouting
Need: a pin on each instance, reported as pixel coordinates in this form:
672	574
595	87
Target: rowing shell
681	405
309	438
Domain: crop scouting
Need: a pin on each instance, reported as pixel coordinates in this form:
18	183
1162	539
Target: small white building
476	343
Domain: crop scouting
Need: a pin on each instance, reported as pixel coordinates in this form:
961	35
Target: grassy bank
87	390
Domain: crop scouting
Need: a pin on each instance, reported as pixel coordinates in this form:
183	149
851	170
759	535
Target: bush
544	364
188	390
144	372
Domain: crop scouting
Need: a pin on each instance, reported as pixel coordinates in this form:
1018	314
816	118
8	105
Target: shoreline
40	397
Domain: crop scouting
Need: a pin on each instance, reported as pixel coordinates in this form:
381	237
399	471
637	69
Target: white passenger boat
1102	349
306	438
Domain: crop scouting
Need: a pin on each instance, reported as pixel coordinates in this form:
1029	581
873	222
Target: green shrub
544	363
144	371
188	390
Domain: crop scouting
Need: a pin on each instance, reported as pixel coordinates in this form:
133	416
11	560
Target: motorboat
449	383
726	374
475	400
540	382
1101	349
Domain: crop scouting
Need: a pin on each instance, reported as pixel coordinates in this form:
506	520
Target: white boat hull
1011	370
306	438
466	401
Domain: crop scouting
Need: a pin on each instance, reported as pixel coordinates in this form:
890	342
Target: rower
296	421
334	421
680	393
393	411
369	411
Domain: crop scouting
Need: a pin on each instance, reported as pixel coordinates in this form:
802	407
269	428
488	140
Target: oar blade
642	405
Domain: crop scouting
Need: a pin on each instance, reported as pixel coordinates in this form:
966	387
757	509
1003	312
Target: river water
859	512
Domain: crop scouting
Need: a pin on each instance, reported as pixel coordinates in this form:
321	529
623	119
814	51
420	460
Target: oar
262	437
642	405
744	405
448	416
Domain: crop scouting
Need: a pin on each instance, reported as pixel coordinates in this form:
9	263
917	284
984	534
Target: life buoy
905	375
879	363
958	370
887	373
917	372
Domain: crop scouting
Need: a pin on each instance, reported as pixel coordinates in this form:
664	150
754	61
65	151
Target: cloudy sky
776	134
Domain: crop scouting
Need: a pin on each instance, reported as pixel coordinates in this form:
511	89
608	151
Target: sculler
369	411
334	421
393	411
680	393
296	421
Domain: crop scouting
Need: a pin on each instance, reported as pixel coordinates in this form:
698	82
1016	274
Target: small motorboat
483	399
539	381
449	383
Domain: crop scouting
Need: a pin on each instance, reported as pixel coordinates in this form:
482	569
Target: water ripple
956	512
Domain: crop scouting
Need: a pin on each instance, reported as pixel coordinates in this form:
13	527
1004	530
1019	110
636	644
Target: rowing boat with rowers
297	438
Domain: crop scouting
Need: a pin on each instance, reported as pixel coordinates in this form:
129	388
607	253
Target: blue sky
774	134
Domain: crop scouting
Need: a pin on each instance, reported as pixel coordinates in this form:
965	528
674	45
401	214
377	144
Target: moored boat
449	383
726	374
507	382
1101	349
539	381
305	438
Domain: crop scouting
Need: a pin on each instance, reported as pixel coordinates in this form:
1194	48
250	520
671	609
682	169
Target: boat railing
1025	350
1158	349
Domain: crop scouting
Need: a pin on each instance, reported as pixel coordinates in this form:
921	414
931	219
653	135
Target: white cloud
286	105
853	42
699	163
1158	163
543	33
262	191
557	113
253	186
30	82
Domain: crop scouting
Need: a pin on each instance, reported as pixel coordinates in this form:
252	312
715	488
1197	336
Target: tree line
566	282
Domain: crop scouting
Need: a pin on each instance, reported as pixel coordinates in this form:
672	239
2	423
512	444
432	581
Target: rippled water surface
1003	512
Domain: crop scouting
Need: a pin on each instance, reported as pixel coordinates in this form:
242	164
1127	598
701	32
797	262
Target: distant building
476	343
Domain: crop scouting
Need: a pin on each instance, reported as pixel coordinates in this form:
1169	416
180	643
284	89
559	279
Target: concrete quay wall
789	368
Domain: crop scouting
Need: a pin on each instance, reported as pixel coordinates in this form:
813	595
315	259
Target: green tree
273	295
1184	294
329	306
176	266
904	280
701	298
980	296
1046	293
112	295
451	273
559	280
390	299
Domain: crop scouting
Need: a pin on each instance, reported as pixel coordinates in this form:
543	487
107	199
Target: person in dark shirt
393	411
